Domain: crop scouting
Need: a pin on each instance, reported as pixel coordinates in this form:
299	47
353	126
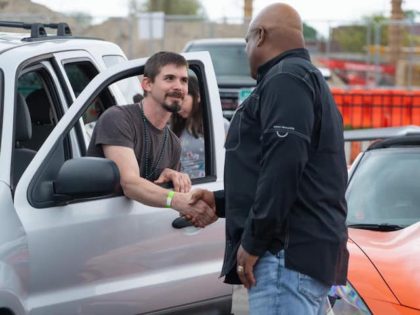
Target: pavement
239	300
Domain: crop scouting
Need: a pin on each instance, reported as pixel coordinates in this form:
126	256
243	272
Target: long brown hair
194	122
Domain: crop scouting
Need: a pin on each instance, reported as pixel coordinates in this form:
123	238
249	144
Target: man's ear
146	84
261	35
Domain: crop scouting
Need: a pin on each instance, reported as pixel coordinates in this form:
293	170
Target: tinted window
38	110
227	59
39	96
385	188
80	74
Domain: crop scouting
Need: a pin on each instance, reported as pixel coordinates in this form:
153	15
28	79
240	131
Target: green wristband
169	198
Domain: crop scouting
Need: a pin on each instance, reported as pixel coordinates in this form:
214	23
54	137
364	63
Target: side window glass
37	112
41	191
80	74
37	93
198	156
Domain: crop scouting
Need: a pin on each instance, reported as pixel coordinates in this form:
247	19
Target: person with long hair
187	124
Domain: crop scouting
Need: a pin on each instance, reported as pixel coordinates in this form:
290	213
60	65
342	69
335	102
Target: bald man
285	177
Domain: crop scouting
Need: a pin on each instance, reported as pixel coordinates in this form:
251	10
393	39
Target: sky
310	10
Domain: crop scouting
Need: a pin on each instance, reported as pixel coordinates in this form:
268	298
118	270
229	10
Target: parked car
70	242
232	69
384	226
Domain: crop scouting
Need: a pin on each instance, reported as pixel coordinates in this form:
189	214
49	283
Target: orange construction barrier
356	102
377	108
368	113
407	103
415	113
380	115
338	95
397	109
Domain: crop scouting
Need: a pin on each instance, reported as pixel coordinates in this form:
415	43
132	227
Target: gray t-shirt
124	126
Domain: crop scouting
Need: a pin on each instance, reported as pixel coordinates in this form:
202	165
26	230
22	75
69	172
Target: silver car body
103	256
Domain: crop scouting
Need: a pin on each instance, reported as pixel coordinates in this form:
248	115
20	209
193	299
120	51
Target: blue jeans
282	291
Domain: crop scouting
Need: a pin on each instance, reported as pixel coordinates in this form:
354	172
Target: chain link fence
368	54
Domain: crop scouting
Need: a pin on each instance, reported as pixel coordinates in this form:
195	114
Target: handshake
197	206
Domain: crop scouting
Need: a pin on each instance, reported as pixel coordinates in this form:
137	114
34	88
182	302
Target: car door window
190	124
207	166
80	74
38	110
33	86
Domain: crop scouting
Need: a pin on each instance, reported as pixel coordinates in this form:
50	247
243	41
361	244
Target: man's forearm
148	193
144	191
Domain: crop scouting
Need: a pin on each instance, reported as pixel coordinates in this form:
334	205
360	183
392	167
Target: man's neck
155	113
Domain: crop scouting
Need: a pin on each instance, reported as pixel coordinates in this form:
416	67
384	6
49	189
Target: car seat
40	110
23	132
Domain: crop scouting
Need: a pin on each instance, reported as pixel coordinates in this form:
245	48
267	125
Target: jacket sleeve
286	116
219	197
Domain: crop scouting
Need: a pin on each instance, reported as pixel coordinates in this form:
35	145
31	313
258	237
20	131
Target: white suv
70	242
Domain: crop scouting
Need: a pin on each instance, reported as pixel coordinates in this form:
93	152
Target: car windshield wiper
377	227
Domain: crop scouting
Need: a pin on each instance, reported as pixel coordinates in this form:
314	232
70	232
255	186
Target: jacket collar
298	52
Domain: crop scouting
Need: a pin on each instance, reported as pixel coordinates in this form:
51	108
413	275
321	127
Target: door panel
119	250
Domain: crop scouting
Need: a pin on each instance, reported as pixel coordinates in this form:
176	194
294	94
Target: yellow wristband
169	198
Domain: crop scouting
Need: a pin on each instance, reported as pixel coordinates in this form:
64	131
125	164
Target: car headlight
344	300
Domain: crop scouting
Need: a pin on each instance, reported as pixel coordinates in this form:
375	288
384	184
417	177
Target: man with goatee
137	138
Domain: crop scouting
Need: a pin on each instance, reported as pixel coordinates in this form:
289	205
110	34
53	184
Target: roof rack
38	29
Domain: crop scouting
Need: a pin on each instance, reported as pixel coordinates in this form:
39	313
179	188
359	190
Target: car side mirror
86	177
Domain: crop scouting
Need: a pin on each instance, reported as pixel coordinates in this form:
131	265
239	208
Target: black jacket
285	173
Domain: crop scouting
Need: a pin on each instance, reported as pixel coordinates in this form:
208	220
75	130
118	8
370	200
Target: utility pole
247	10
395	31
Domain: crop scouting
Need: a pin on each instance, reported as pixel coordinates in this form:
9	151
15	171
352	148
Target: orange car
383	199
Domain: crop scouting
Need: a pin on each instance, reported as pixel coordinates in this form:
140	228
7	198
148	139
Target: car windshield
228	60
385	189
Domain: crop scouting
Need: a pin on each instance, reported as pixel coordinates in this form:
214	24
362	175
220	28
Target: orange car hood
396	255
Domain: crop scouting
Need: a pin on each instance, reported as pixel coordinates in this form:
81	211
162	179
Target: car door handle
180	223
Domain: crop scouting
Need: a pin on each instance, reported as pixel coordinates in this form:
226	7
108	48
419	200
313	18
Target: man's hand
205	195
198	195
181	181
200	213
245	267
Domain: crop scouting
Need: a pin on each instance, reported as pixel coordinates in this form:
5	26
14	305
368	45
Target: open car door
94	251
